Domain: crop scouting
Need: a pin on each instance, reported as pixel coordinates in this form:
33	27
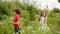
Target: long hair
42	12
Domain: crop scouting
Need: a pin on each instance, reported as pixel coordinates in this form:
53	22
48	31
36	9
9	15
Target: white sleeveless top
42	19
42	25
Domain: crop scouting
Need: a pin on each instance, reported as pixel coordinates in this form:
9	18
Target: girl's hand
48	10
16	22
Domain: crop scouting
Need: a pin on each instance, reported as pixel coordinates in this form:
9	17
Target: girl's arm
45	20
17	20
48	10
16	23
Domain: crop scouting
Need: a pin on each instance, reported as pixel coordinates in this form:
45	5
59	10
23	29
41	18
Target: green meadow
29	19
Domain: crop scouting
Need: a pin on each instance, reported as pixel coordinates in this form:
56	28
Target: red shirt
16	19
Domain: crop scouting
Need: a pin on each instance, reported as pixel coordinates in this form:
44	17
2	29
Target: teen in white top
42	23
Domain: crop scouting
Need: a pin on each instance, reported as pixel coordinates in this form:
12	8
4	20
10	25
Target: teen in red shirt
16	21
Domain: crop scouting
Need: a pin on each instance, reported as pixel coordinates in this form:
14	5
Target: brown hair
17	11
42	12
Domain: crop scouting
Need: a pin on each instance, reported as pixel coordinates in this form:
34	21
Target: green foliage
53	21
5	9
56	10
28	22
33	11
25	14
58	0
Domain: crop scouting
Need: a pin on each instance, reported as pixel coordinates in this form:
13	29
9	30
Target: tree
58	0
5	9
56	10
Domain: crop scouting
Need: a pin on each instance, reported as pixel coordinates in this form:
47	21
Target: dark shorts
17	30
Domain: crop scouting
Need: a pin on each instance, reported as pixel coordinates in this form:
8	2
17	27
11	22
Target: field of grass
29	21
32	27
